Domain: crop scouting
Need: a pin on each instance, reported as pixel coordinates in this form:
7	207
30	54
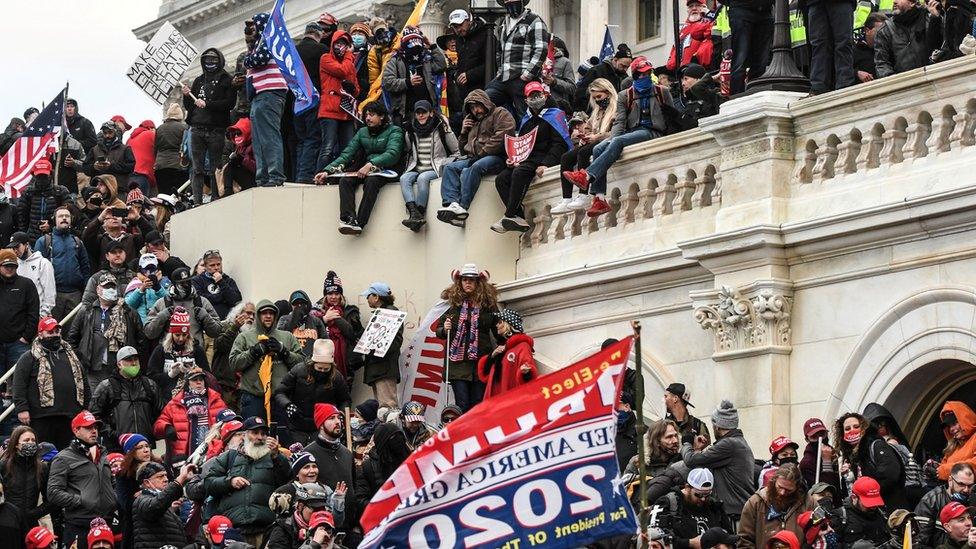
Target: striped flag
376	88
38	139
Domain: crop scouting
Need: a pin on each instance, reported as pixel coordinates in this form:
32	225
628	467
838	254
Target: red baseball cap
42	166
779	443
230	428
83	419
532	87
323	411
953	510
39	538
813	426
218	526
868	491
640	64
319	518
101	533
810	530
47	324
120	118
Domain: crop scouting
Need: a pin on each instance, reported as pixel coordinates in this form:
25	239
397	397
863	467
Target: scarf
339	343
424	130
466	339
908	18
45	379
117	330
197	415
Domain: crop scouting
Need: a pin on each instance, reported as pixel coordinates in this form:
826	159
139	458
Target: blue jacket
222	296
70	259
141	301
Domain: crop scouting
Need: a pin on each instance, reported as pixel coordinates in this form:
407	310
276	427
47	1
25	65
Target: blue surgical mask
358	40
110	294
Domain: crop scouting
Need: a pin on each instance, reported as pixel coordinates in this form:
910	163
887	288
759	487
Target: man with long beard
775	507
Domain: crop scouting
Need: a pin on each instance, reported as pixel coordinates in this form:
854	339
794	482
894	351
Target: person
305	326
104	235
413	421
482	144
186	418
78	126
449	414
50	385
380	145
639	118
816	435
8	218
203	316
242	481
954	20
69	257
718	538
305	474
33	266
593	130
664	446
466	327
958	488
306	124
240	318
695	36
471	37
729	458
958	523
128	401
677	400
241	165
959	426
889	430
168	263
155	520
169	168
829	24
867	454
690	510
383	37
148	287
864	45
511	364
80	482
100	536
306	385
39	199
342	320
267	103
388	451
115	265
321	529
336	71
142	142
383	373
216	286
775	507
551	142
863	515
903	44
613	69
208	101
751	23
782	450
525	43
412	74
25	475
431	144
72	163
336	468
13	132
561	79
40	537
110	156
216	534
19	311
698	98
310	497
361	35
263	356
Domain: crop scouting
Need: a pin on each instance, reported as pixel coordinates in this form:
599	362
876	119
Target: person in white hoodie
32	265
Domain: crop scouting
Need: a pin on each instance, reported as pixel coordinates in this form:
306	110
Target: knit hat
361	27
726	416
174	112
114	457
179	321
300	460
512	318
323	411
323	350
368	409
128	441
587	64
623	50
693	70
333	284
135	196
148	470
100	532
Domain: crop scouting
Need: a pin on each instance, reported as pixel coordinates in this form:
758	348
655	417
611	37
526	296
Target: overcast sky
88	43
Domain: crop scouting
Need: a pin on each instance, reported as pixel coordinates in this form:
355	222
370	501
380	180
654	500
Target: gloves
688	438
931	471
170	433
274	346
291	410
259	349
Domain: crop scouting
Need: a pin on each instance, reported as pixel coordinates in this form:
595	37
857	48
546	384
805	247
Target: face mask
340	49
130	371
210	64
514	9
110	294
784	461
27	449
383	37
95	201
51	343
321	376
959	497
603	103
853	436
355	422
42	181
180	291
358	40
301	309
536	104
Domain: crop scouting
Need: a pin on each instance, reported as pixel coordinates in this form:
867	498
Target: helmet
312	495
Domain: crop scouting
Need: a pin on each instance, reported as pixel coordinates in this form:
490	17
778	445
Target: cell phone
120	212
99	159
273	429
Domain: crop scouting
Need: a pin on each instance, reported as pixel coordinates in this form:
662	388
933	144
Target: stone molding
747	323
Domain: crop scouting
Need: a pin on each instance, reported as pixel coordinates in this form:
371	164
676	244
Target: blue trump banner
289	63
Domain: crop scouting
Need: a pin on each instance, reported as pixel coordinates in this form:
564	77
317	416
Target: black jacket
8	222
156	370
216	89
931	533
85	335
298	388
871	525
686	522
283	534
19	309
27	393
471	50
37	204
82	488
83	130
21	487
223	295
875	458
864	59
154	522
906	44
126	406
601	70
626	441
311	51
122	161
549	145
12	528
336	465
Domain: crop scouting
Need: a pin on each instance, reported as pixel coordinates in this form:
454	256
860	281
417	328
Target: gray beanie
726	416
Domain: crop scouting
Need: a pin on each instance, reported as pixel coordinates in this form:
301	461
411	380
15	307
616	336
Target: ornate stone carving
744	324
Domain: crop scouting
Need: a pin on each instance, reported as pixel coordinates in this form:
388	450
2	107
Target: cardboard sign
380	332
519	148
161	65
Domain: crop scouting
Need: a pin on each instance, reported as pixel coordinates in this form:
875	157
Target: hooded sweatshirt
333	72
41	273
215	89
143	145
243	361
967	448
487	136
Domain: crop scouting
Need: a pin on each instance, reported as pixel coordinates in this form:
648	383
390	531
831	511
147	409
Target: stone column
594	14
434	21
541	8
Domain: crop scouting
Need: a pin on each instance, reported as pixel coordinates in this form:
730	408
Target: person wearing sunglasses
691	510
958	488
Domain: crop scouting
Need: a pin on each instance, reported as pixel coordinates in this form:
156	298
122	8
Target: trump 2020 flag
606	51
531	467
286	57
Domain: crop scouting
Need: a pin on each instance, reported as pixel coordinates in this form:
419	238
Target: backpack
911	471
49	245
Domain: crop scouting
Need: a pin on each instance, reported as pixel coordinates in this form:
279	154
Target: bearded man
775	507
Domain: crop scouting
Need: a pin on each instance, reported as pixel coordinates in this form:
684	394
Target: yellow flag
907	541
264	376
376	87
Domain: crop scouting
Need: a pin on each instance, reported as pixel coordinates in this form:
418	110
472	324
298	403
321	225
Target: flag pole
641	428
64	129
819	457
447	368
677	40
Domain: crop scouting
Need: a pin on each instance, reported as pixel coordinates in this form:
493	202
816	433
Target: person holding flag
269	85
558	74
337	72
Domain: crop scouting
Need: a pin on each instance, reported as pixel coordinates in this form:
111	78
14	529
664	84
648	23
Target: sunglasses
701	495
211	253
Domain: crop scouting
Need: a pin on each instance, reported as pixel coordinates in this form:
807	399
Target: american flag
38	139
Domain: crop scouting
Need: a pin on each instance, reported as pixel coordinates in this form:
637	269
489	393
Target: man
781	450
69	257
310	49
959	488
752	34
718	538
266	105
286	533
482	142
957	520
864	40
168	263
729	458
128	401
215	286
664	446
208	102
898	47
50	386
155	519
263	356
8	217
110	156
34	267
80	481
40	537
525	43
698	98
78	126
472	49
305	326
863	515
955	21
551	142
335	460
240	482
203	316
613	68
412	74
39	199
815	433
240	319
19	311
639	118
677	400
829	24
775	507
214	534
691	511
115	264
107	232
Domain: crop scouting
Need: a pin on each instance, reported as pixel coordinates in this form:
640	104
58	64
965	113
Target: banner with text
518	148
380	332
422	367
161	65
285	54
531	467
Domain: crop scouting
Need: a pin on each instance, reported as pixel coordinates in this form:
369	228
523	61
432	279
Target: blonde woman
170	172
603	109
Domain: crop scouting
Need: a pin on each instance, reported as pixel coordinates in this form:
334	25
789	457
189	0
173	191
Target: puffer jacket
126	406
965	451
505	372
37	203
80	486
382	148
333	73
396	78
169	140
301	389
870	525
243	360
174	413
444	147
23	485
472	50
487	136
248	507
902	47
731	461
755	528
216	89
122	161
41	273
69	257
388	366
154	521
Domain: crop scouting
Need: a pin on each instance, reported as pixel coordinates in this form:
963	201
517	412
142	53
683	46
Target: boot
411	222
421	216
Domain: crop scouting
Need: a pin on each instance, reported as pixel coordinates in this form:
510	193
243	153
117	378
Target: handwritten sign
380	332
161	65
518	148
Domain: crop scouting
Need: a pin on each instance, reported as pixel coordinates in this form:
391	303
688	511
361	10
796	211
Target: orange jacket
966	452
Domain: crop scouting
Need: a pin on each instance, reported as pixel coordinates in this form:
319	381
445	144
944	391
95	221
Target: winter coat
97	241
629	111
382	148
222	295
203	317
174	413
388	366
755	528
164	356
871	525
902	47
700	101
332	73
141	301
216	90
127	406
299	388
336	465
444	147
83	130
122	161
80	487
169	141
311	51
305	331
85	336
220	365
626	440
601	70
967	450
688	522
731	461
487	136
22	487
19	308
243	154
505	373
350	330
248	507
396	80
549	145
468	370
41	273
808	466
243	360
69	257
154	521
689	425
8	222
564	86
875	458
931	533
284	533
26	391
143	145
68	175
12	528
472	50
696	38
37	204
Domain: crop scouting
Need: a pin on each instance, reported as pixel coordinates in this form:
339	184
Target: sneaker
446	214
457	222
458	210
561	208
580	203
515	224
579	178
499	226
349	227
598	208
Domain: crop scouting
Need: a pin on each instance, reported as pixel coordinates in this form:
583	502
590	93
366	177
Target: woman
188	416
337	74
388	452
343	323
304	470
383	373
303	386
511	364
137	452
142	141
865	454
165	207
170	171
431	145
25	475
603	106
467	324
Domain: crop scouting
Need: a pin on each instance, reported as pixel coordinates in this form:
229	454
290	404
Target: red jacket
244	150
696	45
174	413
518	352
143	145
333	73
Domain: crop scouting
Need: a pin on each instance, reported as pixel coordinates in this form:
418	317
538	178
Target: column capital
748	321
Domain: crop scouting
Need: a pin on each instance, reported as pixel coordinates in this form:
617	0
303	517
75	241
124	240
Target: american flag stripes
37	140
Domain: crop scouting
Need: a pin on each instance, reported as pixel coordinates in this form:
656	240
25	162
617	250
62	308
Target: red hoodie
244	149
333	73
143	145
518	353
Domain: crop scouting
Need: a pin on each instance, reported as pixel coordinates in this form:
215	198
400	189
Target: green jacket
241	359
382	150
248	507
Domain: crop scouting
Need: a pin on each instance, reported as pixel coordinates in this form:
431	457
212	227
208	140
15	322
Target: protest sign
380	332
422	367
160	66
518	148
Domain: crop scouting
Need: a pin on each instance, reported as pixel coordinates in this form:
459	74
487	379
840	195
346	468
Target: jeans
422	179
9	353
347	197
509	94
336	134
142	180
832	44
460	179
467	394
752	35
309	140
512	184
205	144
574	159
606	152
269	151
